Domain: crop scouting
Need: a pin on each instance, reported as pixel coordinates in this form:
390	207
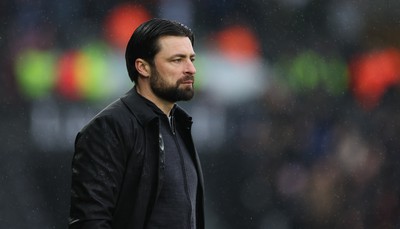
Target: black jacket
117	168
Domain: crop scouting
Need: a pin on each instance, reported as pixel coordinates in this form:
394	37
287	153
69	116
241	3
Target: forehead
170	45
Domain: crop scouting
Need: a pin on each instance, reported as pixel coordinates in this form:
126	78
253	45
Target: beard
170	93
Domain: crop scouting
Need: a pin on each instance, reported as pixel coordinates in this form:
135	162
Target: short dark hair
144	41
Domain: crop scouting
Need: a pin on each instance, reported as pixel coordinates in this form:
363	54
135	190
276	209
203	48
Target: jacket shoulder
115	118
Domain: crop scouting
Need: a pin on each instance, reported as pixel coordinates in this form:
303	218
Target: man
135	164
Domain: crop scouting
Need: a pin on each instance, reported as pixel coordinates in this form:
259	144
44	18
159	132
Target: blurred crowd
297	113
310	161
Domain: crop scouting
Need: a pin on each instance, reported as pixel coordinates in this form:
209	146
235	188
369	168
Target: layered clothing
119	163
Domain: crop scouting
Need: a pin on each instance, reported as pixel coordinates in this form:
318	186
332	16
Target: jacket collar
140	108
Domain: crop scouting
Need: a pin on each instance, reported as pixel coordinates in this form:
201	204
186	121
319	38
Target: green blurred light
336	80
310	70
35	72
199	64
93	72
304	71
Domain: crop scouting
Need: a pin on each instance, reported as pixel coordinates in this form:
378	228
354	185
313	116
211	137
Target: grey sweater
176	205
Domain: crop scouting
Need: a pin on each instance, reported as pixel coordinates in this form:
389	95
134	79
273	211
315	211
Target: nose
190	68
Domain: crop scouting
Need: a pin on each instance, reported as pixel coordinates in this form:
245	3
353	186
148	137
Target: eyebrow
183	55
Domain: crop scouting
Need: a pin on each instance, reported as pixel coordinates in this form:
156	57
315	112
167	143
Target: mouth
188	81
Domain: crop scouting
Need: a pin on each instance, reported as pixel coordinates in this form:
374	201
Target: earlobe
142	67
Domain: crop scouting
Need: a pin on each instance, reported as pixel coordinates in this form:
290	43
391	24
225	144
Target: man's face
172	76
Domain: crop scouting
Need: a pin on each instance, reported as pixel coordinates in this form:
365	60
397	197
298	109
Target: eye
177	60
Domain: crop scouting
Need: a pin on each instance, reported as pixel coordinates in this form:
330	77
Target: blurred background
297	115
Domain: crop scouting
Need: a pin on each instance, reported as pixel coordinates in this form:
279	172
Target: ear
143	67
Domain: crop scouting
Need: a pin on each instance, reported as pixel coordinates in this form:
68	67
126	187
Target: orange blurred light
238	42
372	74
122	21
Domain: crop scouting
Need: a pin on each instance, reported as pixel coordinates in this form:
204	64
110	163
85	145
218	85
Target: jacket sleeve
97	172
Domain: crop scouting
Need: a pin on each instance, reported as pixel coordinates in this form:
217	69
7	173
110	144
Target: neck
162	104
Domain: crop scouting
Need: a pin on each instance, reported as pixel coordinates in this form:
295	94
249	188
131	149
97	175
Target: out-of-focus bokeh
297	110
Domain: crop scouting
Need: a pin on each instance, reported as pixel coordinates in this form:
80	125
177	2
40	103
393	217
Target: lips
187	80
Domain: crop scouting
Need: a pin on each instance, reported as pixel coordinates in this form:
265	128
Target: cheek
171	75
